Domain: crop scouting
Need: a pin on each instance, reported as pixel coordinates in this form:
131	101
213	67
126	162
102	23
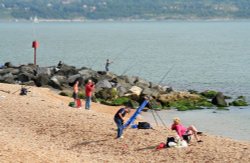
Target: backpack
170	139
144	125
187	138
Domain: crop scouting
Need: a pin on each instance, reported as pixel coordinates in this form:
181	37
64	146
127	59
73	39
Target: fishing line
152	111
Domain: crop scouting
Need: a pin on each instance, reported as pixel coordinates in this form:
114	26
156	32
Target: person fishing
89	89
119	120
108	62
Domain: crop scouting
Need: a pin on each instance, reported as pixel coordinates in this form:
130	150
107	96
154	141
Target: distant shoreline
122	20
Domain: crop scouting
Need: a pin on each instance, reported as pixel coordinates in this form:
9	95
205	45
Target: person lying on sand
119	119
184	133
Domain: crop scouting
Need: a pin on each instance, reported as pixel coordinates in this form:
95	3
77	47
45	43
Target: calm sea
205	55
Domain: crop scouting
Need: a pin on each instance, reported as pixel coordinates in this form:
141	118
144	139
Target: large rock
31	69
135	90
66	70
42	80
121	91
87	73
142	83
45	71
8	78
129	79
150	92
219	100
107	94
8	65
9	70
55	83
72	79
177	96
25	77
103	84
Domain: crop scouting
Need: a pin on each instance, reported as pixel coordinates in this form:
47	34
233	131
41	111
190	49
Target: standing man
89	89
107	65
119	119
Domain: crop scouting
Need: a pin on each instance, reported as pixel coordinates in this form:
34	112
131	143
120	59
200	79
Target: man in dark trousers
119	119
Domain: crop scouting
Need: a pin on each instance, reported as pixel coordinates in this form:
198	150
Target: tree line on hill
120	9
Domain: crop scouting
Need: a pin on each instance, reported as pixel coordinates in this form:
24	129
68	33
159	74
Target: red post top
35	44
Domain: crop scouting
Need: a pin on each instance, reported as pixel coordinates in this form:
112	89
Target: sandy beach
40	127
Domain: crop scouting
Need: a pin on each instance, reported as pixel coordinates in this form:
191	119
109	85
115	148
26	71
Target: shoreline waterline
232	123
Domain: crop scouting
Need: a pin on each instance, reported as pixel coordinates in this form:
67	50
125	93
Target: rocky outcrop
110	88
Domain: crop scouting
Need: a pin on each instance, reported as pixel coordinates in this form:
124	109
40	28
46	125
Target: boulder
9	70
219	100
107	94
87	73
240	101
121	91
131	79
45	70
72	79
135	90
8	78
28	69
55	83
150	92
4	71
66	70
8	65
103	84
25	77
42	80
176	96
142	83
210	94
14	71
102	72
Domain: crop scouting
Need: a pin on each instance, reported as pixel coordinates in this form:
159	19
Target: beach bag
170	142
72	104
187	138
144	125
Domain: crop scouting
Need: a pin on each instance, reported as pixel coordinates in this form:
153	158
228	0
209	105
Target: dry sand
40	127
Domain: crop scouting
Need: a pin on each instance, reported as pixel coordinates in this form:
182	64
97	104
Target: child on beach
183	132
75	91
119	119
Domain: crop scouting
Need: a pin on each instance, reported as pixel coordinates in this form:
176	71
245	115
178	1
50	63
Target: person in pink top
89	88
184	132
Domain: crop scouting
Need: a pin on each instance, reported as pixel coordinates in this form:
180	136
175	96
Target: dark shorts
75	95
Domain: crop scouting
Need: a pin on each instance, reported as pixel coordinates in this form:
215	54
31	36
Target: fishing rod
121	52
154	117
166	74
128	69
154	111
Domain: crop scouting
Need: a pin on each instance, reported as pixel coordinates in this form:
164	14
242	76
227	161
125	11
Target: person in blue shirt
119	120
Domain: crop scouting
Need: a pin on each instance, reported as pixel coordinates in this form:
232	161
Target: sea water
205	55
233	123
